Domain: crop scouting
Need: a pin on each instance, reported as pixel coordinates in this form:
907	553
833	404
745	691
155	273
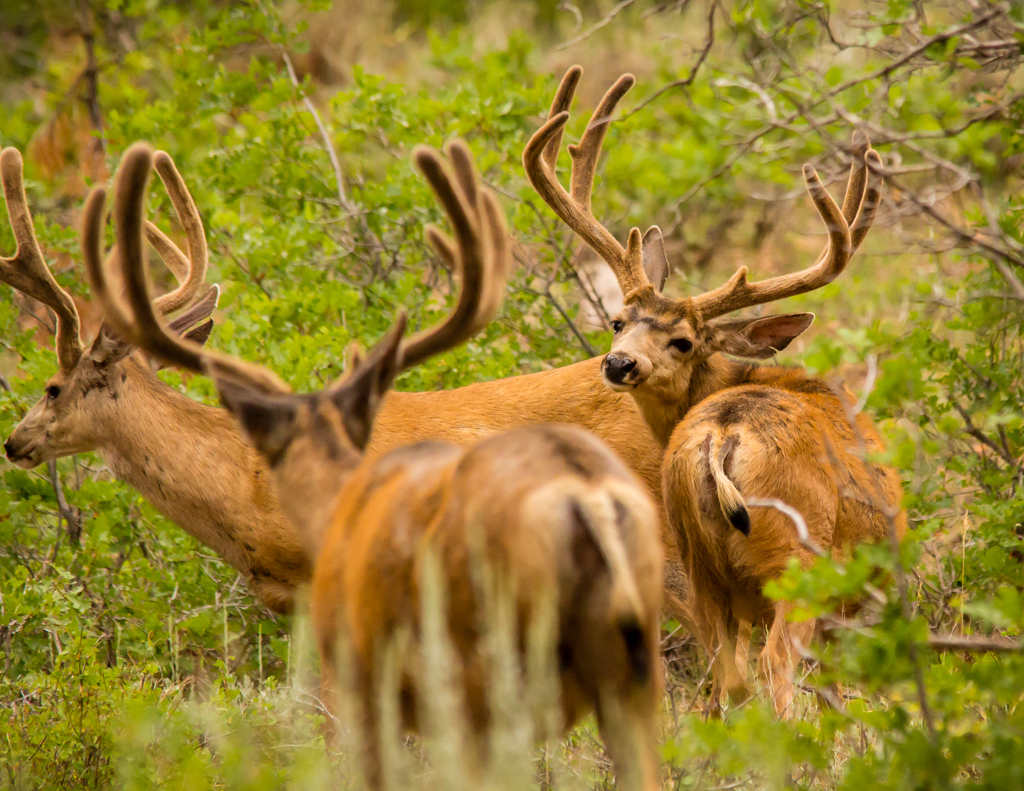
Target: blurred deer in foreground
553	510
189	460
734	430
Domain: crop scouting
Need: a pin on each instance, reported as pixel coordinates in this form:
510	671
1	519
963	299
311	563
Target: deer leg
733	678
627	723
718	636
780	657
726	675
744	632
328	692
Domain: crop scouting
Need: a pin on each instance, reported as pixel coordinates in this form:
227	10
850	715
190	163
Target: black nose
9	449
617	367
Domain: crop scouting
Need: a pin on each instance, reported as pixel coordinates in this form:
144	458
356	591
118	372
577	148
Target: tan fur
549	509
574	394
189	460
810	460
731	430
790	439
513	495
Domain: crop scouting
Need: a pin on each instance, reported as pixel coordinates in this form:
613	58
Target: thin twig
990	645
587	346
803	535
376	248
618	9
688	80
70	515
339	181
869	384
979	435
91	74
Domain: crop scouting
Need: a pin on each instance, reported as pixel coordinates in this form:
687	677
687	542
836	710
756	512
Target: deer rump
571	526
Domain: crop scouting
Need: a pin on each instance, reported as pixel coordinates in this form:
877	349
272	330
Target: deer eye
52	392
681	345
616	326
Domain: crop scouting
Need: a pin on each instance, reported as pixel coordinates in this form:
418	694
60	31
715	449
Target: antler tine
480	253
586	153
27	272
574	208
858	178
562	103
143	328
738	293
863	190
190	272
872	198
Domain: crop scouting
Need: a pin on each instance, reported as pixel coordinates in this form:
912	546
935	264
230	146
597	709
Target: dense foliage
134	658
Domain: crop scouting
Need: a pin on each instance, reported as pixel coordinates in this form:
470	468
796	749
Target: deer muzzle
619	370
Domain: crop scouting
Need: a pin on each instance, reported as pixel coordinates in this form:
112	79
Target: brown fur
554	512
787	437
514	495
732	430
189	460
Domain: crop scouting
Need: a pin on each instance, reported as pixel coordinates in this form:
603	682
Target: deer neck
187	459
664	411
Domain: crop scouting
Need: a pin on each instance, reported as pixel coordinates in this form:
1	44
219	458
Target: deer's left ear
358	395
108	349
757	339
268	419
655	259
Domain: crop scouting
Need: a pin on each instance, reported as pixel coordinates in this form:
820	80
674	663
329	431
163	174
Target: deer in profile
553	509
734	431
189	460
109	401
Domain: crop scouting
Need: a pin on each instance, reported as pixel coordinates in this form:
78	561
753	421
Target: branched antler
480	253
573	208
27	272
846	227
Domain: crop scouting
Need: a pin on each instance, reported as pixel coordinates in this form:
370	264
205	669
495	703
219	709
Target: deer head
660	343
82	396
311	441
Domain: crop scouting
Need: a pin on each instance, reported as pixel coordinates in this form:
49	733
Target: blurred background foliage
134	658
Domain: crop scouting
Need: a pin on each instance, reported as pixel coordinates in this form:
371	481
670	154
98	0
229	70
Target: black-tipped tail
740	519
636	648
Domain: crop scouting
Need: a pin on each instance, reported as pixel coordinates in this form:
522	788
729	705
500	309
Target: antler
846	227
573	208
190	272
143	328
27	272
481	253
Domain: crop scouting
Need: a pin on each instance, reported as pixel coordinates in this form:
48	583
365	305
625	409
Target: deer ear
760	338
201	334
198	335
655	258
108	348
267	420
359	394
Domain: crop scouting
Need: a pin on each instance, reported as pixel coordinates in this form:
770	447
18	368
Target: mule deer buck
553	509
218	493
188	459
733	430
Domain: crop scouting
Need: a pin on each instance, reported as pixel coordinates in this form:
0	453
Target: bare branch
618	9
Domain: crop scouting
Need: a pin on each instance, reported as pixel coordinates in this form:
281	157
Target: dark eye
681	345
52	392
616	326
